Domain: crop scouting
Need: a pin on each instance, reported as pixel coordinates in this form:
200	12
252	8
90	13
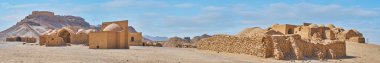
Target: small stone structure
114	35
286	41
60	37
21	39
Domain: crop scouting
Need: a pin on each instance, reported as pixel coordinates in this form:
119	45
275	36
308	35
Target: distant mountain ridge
40	21
156	38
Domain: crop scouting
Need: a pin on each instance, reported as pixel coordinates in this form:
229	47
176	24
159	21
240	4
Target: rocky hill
40	21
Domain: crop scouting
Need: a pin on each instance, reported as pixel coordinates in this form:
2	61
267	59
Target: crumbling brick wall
300	48
233	44
277	46
22	39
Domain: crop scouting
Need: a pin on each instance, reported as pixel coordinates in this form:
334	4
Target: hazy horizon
196	17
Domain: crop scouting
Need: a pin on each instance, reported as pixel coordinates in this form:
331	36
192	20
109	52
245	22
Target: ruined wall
43	39
79	39
310	41
22	39
284	28
137	39
28	39
293	47
11	39
54	41
233	44
351	36
282	47
70	35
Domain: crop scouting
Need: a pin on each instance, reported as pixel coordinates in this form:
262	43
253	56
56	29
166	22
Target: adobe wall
284	28
123	39
293	47
28	39
54	41
98	40
79	39
233	44
137	39
75	36
11	39
112	42
43	40
22	39
308	41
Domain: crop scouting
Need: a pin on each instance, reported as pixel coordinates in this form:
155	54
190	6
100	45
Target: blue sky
196	17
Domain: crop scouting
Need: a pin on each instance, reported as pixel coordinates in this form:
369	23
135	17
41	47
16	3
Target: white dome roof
113	27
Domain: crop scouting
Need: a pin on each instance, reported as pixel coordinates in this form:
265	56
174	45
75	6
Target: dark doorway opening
132	39
18	38
290	31
65	35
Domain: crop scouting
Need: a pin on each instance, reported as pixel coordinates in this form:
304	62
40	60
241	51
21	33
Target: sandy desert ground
16	52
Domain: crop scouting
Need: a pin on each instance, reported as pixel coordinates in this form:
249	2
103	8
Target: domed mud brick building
65	35
114	35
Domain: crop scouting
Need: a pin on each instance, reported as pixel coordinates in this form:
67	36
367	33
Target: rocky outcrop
198	38
177	42
38	22
185	42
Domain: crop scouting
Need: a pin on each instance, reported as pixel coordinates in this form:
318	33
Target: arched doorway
65	35
18	38
132	39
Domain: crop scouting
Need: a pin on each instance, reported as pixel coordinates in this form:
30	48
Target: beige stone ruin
21	39
286	41
61	37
